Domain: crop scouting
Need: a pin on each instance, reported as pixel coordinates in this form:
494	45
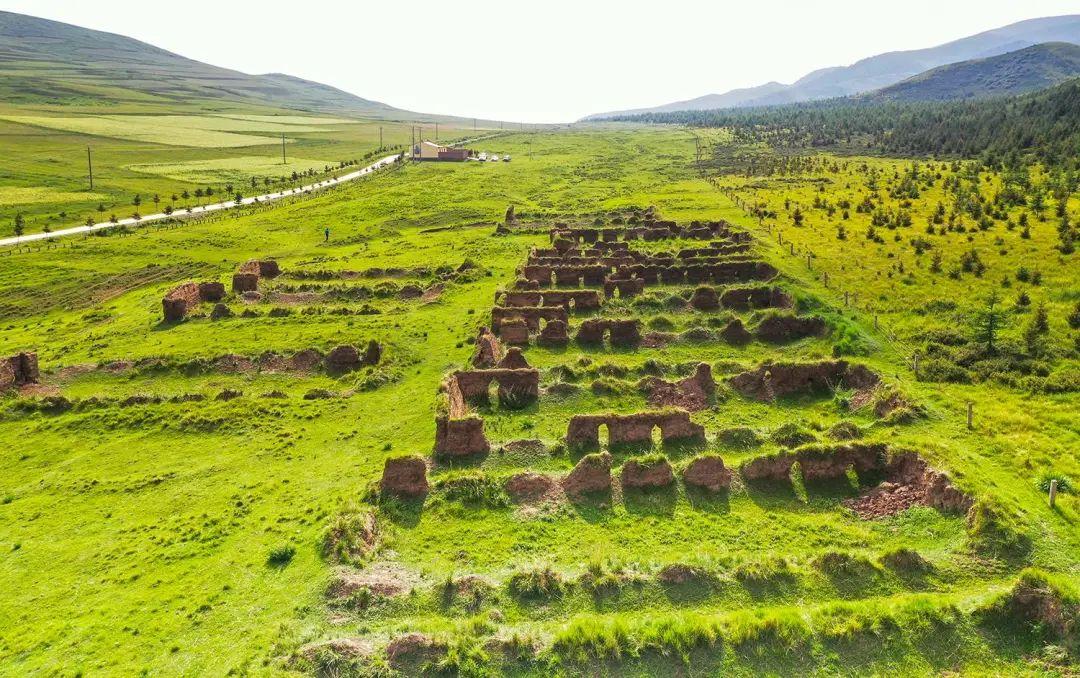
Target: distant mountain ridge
1025	70
45	61
882	70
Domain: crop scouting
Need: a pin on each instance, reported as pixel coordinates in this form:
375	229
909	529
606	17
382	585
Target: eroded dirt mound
736	334
412	648
531	487
591	474
658	339
382	579
678	573
708	472
691	394
642	474
513	360
346	648
910	481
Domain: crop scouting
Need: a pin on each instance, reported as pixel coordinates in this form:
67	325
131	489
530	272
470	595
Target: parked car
506	158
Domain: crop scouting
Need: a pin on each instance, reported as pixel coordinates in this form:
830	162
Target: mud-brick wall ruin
516	387
181	299
777	380
460	433
246	278
571	300
18	370
583	431
624	333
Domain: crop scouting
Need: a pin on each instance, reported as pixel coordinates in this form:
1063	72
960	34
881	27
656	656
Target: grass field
157	527
140	151
229	170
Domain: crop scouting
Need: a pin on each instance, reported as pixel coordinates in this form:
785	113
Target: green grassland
140	150
138	529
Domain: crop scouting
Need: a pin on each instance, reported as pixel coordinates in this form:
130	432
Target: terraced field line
131	221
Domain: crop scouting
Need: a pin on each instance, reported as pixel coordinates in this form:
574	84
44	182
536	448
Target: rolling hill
49	62
885	69
1025	70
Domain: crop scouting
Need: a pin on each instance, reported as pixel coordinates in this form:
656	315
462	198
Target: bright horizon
554	62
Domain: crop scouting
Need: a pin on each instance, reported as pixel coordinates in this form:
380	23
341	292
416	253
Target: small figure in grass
326	234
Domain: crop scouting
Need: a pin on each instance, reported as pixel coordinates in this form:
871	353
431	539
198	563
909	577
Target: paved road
180	213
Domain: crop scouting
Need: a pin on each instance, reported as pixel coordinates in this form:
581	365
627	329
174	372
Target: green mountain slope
48	62
1033	68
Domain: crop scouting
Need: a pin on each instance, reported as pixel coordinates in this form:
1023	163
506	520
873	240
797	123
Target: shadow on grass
773	494
830	491
442	462
696	590
592	507
711	502
401	511
651	501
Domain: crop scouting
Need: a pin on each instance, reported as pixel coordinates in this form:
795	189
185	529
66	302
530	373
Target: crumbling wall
520	298
488	349
691	393
750	298
705	299
515	386
18	370
780	328
245	282
179	301
643	474
405	476
554	335
620	332
707	472
830	462
347	357
514	331
531	315
777	380
591	474
264	268
513	360
626	287
460	437
583	430
580	300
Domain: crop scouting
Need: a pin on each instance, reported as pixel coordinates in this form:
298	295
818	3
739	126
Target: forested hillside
1045	125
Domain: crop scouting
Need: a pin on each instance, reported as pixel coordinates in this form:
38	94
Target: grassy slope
143	531
49	165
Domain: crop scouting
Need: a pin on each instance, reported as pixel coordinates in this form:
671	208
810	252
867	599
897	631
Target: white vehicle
482	156
506	158
494	157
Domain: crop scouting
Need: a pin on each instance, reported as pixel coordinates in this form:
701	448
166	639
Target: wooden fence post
1053	492
970	415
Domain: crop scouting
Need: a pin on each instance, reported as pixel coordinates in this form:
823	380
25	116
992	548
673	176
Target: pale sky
549	61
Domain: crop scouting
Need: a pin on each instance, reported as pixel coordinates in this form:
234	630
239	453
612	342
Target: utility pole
380	137
90	166
436	131
283	162
474	124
